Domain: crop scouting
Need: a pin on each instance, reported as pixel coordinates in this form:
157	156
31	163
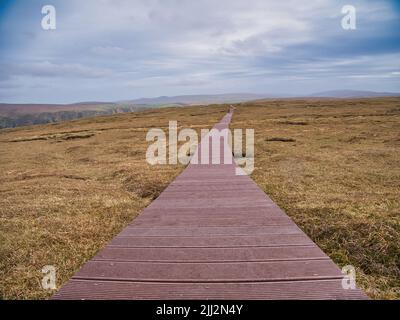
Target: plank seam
211	261
210	280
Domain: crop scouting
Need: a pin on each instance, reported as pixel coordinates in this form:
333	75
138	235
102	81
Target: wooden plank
266	209
119	290
208	231
209	272
207	194
207	203
210	254
212	221
206	241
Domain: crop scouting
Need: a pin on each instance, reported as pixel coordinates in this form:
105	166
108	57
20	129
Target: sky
111	50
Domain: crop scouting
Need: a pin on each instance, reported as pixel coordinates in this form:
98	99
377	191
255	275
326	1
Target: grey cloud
49	69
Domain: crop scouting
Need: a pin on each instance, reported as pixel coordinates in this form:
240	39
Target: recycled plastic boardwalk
211	234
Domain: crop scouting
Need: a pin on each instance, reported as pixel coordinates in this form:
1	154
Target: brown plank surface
285	290
211	234
214	242
209	272
237	254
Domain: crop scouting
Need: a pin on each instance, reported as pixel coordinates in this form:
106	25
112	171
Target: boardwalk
211	234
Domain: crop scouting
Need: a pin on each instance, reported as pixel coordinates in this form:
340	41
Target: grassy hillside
17	115
66	189
334	166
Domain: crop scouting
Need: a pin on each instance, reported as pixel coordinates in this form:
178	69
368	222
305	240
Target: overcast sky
109	50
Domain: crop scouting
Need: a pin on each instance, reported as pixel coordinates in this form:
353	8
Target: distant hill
16	115
243	97
199	99
354	94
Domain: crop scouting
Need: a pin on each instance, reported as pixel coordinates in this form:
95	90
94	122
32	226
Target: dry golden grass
334	166
66	189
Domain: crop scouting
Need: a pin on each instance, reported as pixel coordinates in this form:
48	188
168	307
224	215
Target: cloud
131	48
48	69
108	50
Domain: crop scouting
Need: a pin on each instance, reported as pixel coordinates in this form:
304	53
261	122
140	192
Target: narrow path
211	234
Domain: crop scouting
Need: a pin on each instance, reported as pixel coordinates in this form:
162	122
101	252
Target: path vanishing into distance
211	234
